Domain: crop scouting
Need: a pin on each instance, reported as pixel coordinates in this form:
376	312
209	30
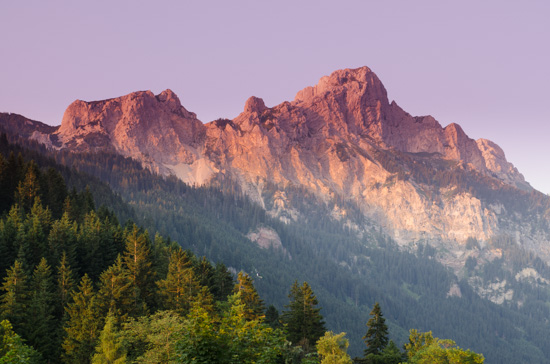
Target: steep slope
359	264
156	130
341	139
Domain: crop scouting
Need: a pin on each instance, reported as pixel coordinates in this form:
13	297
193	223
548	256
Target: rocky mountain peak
169	98
254	104
359	81
340	137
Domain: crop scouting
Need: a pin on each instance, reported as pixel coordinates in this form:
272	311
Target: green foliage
254	305
12	348
214	220
376	337
153	339
181	287
304	323
231	338
272	317
110	349
40	314
391	354
83	325
137	260
423	348
15	297
333	348
115	294
201	342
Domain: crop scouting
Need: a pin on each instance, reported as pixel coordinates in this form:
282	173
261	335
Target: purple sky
482	64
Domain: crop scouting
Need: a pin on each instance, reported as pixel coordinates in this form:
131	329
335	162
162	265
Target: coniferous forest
79	287
130	267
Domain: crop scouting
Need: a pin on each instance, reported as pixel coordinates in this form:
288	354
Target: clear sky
482	64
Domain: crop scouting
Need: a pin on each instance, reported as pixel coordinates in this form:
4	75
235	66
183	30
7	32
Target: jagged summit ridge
337	138
156	130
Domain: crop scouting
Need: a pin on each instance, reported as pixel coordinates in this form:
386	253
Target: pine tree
222	282
29	188
272	317
9	246
14	301
83	325
254	305
304	323
115	292
137	259
181	286
204	272
65	285
37	224
40	320
62	240
376	337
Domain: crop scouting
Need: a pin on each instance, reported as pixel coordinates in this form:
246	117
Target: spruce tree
137	259
28	189
62	240
65	285
40	319
376	337
116	293
181	286
83	325
272	317
14	300
9	246
222	282
254	305
304	323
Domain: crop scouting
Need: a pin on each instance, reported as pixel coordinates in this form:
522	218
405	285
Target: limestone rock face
340	139
156	130
496	163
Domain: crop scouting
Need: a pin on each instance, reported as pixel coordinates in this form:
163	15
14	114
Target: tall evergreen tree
37	224
115	294
62	240
222	282
376	337
137	259
181	286
83	325
253	305
9	246
14	300
65	285
304	323
29	188
40	320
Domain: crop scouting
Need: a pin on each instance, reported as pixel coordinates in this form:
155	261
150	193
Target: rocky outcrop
340	139
156	130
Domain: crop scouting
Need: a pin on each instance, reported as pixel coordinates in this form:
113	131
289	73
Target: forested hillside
78	287
348	274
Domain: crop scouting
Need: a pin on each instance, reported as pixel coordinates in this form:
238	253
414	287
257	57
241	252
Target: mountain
334	179
342	140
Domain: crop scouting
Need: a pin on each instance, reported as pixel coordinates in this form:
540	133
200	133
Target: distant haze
483	65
